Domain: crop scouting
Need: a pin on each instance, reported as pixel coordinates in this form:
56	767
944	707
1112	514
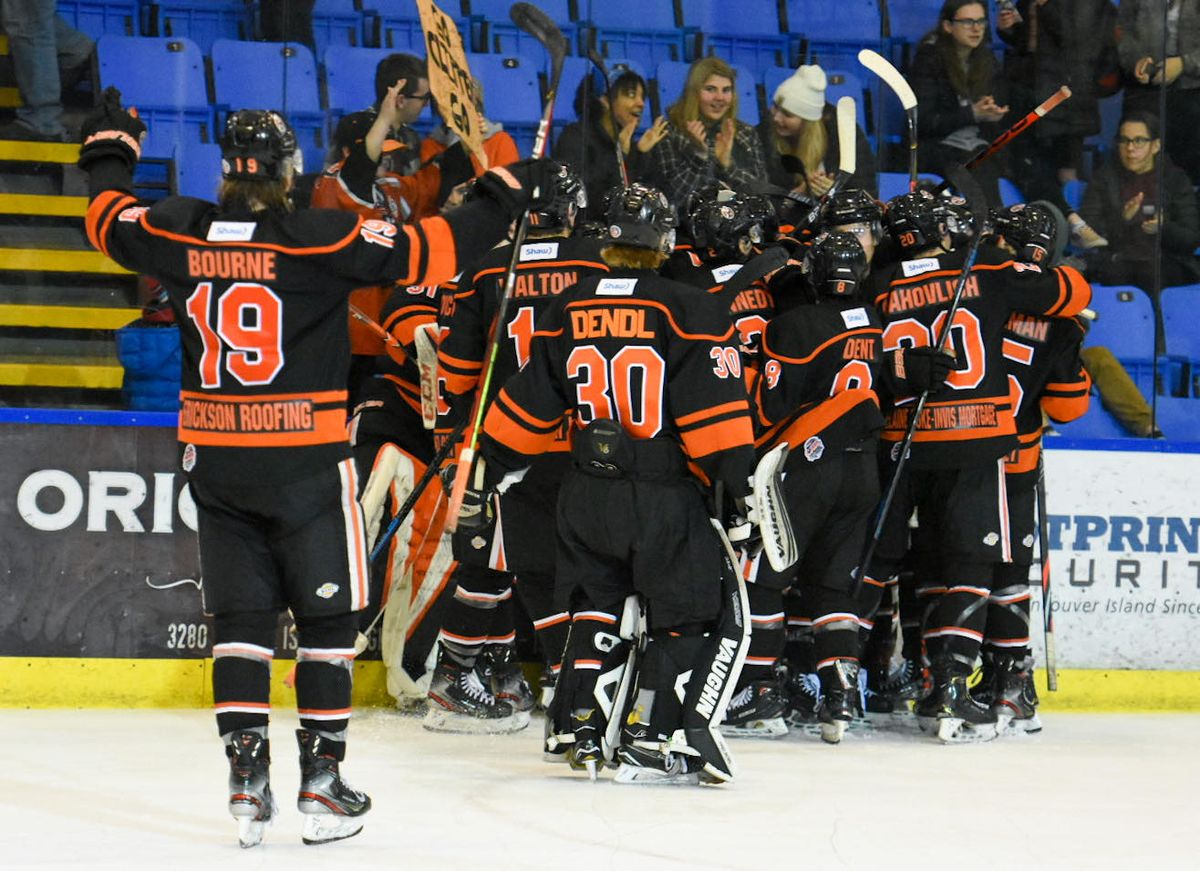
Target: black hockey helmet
959	221
915	220
728	223
851	206
640	216
836	265
257	145
1032	231
570	197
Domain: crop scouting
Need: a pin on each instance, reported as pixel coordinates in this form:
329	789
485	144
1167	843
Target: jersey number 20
242	334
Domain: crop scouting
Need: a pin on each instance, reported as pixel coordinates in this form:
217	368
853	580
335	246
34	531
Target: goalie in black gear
650	371
260	292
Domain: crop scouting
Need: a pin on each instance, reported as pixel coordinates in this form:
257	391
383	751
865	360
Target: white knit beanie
803	93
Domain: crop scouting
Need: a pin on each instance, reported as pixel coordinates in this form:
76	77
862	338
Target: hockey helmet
640	216
1032	231
836	265
728	223
258	145
851	206
959	221
915	220
570	196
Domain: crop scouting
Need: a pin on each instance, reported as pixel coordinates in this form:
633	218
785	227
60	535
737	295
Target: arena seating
201	21
336	22
746	33
646	31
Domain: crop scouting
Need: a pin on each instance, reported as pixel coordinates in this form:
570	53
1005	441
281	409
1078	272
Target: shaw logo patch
814	448
327	590
231	231
616	287
856	317
539	251
917	267
188	461
723	273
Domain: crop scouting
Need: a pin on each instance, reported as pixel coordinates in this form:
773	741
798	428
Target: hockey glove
922	368
111	131
476	512
526	184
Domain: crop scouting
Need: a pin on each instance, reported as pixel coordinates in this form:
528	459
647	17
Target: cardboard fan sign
450	78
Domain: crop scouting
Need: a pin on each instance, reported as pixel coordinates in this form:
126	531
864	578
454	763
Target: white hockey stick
892	77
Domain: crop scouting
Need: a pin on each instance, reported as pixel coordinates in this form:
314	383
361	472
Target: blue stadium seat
642	30
197	170
350	78
1097	423
396	24
574	71
1010	194
336	22
297	97
671	77
831	32
1183	335
1072	192
202	21
892	184
493	31
842	83
512	94
912	19
1124	322
1178	418
747	32
98	17
172	101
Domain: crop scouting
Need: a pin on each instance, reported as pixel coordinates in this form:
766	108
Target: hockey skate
756	711
950	711
1014	699
499	670
890	693
333	810
803	690
584	753
250	800
459	702
841	700
649	758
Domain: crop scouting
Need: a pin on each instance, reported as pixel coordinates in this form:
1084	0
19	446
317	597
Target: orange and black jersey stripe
642	350
546	268
261	300
750	309
1044	374
971	420
406	310
820	365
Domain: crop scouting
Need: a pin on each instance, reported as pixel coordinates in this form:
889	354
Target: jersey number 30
242	334
627	388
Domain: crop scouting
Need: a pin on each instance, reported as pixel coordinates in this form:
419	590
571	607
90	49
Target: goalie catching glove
111	131
765	517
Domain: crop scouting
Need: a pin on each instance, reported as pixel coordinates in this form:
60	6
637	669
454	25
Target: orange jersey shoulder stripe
797	430
734	432
865	331
716	410
100	214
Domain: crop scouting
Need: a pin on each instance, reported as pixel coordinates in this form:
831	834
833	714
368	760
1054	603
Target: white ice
146	789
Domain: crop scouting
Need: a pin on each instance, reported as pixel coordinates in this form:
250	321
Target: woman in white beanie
801	124
705	141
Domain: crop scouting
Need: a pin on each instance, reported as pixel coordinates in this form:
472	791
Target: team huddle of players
638	391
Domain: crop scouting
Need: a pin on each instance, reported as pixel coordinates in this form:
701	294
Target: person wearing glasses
1126	205
961	96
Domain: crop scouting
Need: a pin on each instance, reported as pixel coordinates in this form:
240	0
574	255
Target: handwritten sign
450	78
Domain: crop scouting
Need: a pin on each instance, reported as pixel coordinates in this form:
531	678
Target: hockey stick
1020	127
361	316
536	23
847	158
598	62
1044	553
892	77
980	211
752	270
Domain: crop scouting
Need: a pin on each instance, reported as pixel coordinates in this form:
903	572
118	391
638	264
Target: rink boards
100	583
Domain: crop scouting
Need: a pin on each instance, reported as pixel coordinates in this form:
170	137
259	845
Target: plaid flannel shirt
679	168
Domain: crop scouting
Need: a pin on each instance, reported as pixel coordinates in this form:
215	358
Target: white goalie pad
770	511
425	337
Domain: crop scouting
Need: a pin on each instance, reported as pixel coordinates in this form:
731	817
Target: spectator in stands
1141	51
961	98
801	124
414	97
1053	43
1122	203
705	141
46	52
498	147
609	111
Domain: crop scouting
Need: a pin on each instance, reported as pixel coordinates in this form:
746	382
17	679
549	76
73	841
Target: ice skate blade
635	774
772	728
252	821
326	828
438	719
831	733
955	730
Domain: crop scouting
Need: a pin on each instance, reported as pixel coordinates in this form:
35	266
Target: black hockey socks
325	672
766	636
1008	611
243	649
550	624
471	616
958	612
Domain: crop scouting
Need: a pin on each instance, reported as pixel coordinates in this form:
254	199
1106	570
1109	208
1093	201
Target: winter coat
865	166
942	110
1141	35
591	153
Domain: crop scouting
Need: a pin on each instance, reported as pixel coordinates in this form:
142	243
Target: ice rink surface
146	789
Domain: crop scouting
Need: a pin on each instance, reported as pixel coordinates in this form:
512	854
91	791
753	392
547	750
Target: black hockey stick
598	62
537	24
893	78
978	208
752	270
1044	553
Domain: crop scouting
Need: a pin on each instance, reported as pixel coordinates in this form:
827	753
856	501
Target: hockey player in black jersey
519	540
260	291
817	391
955	475
650	373
1046	379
